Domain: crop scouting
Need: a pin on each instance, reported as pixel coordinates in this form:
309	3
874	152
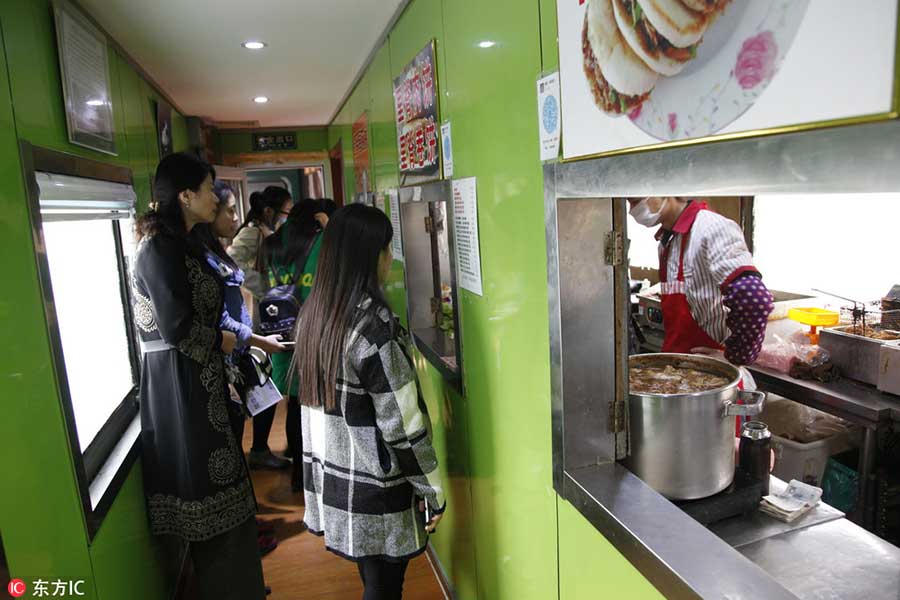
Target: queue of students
358	433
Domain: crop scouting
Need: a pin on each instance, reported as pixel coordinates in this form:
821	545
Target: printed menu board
393	199
361	169
416	117
465	229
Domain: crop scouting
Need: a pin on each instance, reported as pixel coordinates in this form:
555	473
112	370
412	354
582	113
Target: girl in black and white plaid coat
368	464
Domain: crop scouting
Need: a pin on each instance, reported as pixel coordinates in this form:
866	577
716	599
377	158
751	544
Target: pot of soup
681	411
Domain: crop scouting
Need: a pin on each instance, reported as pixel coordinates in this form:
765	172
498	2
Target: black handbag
255	367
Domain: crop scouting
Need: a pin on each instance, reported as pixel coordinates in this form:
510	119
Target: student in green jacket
292	254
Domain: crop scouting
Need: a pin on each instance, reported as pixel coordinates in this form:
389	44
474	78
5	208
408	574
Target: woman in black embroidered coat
195	478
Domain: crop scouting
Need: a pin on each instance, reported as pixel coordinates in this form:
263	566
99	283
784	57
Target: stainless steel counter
830	561
748	529
857	402
680	557
821	556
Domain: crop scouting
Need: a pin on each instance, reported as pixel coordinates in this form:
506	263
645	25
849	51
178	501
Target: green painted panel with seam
506	540
44	533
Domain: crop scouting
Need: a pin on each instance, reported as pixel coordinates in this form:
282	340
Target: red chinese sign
361	170
416	117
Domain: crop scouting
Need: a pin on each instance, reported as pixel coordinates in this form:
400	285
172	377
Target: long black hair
347	273
292	241
203	232
272	197
327	206
174	174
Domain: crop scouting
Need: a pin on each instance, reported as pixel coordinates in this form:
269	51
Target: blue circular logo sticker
447	151
550	112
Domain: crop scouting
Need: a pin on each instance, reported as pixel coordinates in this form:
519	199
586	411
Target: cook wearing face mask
713	299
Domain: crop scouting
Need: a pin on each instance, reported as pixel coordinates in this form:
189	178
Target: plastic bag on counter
795	356
799	423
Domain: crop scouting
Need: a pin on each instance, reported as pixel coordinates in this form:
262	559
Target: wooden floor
300	568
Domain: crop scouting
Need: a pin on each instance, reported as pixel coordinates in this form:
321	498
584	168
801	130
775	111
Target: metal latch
617	417
429	224
614	249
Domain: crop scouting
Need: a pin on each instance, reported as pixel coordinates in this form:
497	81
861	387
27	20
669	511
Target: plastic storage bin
806	462
840	486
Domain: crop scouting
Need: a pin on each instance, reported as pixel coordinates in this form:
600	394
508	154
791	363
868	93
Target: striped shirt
716	254
368	462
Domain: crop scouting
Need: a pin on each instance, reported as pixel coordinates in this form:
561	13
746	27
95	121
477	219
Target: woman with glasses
268	212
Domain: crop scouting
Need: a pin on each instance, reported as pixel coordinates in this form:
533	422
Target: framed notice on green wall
84	70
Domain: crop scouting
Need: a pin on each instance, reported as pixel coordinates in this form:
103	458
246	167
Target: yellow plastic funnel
815	318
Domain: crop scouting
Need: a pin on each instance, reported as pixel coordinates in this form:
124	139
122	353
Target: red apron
682	333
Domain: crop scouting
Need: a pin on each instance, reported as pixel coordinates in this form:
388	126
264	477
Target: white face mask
280	221
643	215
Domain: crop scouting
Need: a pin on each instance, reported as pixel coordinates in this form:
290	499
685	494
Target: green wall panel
137	130
421	22
179	133
44	533
383	143
128	561
506	540
549	35
148	110
590	568
344	124
43	527
491	104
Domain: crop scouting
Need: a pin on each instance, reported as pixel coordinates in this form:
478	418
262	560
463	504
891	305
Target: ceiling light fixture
253	45
487	44
260	99
95	102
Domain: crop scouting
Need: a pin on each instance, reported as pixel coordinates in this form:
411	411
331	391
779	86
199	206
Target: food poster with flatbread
416	117
641	73
362	173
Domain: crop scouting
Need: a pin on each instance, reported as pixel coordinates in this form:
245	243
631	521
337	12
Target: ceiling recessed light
95	103
252	45
260	99
487	44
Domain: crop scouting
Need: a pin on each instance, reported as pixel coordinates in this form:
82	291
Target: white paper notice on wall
447	148
548	115
393	199
465	229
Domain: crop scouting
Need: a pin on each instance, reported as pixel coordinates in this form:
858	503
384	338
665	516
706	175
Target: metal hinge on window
614	249
429	224
617	417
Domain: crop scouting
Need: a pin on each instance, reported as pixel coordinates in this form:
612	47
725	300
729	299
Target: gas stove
741	497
